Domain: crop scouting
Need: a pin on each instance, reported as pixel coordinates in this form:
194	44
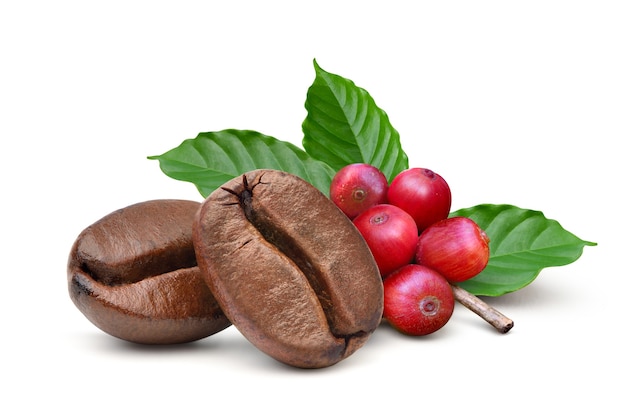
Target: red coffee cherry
418	300
357	187
456	247
422	193
391	235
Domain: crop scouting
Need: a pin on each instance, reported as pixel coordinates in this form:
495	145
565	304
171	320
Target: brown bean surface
288	268
134	275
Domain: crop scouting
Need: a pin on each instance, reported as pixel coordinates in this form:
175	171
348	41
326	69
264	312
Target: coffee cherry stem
492	316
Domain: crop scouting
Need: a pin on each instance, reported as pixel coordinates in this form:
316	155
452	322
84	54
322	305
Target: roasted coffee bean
134	275
288	268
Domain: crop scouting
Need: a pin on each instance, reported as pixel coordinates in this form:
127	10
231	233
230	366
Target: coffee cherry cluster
419	250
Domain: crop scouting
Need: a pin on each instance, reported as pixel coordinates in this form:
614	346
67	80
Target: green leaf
344	126
522	243
212	158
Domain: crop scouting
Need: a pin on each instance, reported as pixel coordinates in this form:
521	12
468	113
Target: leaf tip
317	67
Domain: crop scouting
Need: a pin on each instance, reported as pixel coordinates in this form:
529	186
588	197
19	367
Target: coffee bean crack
288	246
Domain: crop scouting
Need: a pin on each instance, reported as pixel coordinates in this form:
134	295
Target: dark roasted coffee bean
288	268
134	275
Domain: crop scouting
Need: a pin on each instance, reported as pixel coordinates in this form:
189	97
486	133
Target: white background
512	102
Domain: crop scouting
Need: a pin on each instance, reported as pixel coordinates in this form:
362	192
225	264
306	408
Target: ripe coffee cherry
358	186
456	247
391	235
422	193
417	300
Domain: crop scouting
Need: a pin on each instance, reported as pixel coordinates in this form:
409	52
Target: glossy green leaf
212	158
522	243
344	125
